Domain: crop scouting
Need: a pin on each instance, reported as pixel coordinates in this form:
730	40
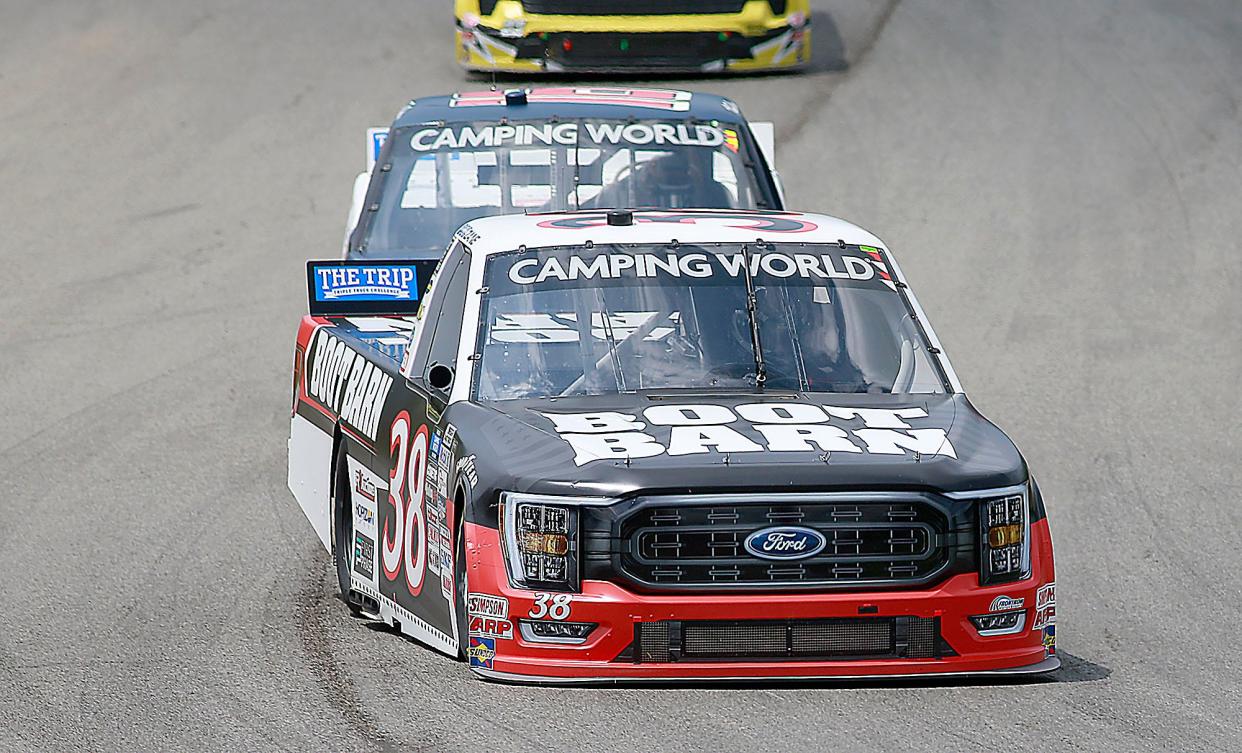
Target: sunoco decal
566	134
346	383
781	427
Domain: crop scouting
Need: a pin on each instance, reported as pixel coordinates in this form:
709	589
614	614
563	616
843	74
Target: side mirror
440	377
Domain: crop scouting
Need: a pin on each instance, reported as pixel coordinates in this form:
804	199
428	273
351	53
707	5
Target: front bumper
611	653
481	48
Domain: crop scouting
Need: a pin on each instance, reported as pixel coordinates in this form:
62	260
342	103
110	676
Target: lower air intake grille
791	640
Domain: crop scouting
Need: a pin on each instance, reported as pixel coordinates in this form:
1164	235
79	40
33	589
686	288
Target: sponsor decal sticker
487	605
364	486
781	427
364	555
346	383
482	651
1005	604
373	282
491	627
1050	638
566	134
822	266
1045	606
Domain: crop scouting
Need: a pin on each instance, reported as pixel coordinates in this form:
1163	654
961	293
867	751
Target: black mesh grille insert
631	7
867	543
792	640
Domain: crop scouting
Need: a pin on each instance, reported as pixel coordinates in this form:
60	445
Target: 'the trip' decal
782	427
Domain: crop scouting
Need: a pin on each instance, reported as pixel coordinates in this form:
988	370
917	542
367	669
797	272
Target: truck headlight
1005	534
540	535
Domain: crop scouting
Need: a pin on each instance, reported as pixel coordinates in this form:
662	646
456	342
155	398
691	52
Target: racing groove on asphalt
1061	184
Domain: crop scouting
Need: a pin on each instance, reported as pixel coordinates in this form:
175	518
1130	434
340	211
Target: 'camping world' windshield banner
567	134
814	264
381	287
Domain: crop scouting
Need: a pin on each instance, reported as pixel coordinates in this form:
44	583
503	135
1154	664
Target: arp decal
770	223
660	99
345	383
492	627
780	427
482	651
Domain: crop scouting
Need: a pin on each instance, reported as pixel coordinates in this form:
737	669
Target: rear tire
342	530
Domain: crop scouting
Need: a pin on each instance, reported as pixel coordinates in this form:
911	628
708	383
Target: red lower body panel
607	653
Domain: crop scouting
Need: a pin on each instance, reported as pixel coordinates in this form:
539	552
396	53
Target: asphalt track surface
1061	182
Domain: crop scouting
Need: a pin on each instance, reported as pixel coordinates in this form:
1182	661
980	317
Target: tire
342	530
460	588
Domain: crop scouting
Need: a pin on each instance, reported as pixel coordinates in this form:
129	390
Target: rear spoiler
344	288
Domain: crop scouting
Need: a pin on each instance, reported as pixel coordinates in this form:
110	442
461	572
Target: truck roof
568	103
491	235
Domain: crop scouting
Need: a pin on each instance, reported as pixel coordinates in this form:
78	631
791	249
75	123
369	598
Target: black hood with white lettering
618	445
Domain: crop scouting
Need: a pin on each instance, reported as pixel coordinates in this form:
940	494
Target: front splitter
1049	664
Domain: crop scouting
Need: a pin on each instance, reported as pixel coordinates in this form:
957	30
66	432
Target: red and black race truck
608	446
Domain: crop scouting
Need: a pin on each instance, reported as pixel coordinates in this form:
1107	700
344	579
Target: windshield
437	178
611	319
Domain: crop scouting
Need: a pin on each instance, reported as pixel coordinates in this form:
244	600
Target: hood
620	444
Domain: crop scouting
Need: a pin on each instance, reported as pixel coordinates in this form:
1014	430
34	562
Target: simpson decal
487	605
344	382
566	134
771	427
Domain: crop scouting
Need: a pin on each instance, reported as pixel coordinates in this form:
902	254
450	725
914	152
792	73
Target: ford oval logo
785	543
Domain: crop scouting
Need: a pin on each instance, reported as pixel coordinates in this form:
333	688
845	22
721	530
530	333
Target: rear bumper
611	653
484	49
